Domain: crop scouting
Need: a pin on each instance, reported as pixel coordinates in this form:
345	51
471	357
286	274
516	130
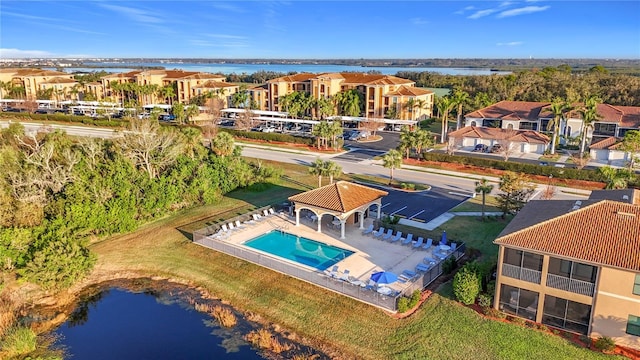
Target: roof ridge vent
578	202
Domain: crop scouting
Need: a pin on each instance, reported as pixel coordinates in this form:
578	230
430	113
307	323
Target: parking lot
422	206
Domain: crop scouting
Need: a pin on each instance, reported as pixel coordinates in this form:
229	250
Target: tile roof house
575	265
348	202
613	122
525	141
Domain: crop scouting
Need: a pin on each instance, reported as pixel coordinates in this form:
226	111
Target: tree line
57	192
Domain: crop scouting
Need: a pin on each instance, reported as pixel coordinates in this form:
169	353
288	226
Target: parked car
480	148
496	148
166	117
268	129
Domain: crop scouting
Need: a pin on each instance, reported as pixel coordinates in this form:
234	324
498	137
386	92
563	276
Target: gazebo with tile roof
342	199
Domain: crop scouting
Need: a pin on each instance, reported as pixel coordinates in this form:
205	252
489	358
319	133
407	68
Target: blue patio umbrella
384	277
443	241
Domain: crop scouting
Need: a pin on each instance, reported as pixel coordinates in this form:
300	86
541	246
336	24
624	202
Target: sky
298	29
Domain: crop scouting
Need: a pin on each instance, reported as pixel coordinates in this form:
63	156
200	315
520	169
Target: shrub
491	287
269	137
541	327
605	343
403	304
263	339
466	285
518	320
494	313
555	331
449	265
19	341
415	297
485	300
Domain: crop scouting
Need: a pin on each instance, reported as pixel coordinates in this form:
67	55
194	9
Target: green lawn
475	204
440	329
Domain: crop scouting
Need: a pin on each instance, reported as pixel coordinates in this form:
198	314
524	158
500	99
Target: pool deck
370	254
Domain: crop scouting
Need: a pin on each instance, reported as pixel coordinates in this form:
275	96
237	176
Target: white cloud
512	43
466	8
19	53
522	11
226	7
134	14
481	13
419	21
225	36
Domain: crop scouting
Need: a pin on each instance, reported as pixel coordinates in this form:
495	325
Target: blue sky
320	29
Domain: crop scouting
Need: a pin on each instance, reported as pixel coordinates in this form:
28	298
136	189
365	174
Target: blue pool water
299	249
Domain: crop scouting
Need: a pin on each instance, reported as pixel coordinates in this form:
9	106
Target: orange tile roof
409	91
215	84
129	74
528	136
58	80
606	143
605	233
510	110
294	78
342	196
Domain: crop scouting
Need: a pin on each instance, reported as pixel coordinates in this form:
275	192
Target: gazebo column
342	229
297	217
320	223
379	208
361	219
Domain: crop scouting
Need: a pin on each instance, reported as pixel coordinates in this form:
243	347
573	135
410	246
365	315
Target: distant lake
230	68
117	324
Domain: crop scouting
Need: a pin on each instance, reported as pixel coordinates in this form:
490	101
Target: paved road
454	182
421	206
69	129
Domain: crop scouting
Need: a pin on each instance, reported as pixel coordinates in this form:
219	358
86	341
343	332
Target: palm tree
444	105
421	104
167	93
407	140
589	114
392	160
334	130
350	102
223	144
409	106
459	98
332	169
324	107
191	111
422	140
557	109
321	132
483	187
318	168
616	178
178	111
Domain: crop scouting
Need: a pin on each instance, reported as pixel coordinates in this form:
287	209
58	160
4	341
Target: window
572	270
518	301
636	285
604	129
566	314
633	325
528	125
523	259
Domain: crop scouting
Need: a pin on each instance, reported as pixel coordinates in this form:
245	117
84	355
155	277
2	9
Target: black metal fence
370	296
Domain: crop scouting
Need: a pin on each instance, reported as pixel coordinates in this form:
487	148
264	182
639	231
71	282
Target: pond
116	323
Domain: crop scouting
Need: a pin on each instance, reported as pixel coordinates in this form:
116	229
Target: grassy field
475	204
440	329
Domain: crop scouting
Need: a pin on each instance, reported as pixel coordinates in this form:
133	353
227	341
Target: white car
268	129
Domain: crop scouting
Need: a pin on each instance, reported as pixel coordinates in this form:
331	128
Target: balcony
521	273
572	285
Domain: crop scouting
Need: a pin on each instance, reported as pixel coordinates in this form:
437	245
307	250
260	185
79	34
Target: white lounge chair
428	244
408	240
238	224
265	212
368	230
419	243
231	226
333	272
388	234
345	275
271	211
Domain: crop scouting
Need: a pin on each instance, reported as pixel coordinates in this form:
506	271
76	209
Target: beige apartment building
380	92
185	83
575	265
32	79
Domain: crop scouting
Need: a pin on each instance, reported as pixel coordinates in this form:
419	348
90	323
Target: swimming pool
299	249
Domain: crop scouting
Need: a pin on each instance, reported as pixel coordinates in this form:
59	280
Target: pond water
118	324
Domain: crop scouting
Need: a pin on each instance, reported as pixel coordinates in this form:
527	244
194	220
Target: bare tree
149	147
372	125
244	120
508	146
580	160
453	145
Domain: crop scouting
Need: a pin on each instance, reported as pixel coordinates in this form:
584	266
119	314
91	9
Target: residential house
515	141
220	89
380	92
575	265
613	122
63	88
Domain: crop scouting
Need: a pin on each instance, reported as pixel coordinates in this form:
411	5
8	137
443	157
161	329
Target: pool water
299	249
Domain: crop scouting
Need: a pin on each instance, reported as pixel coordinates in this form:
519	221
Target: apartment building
33	79
613	122
575	265
380	92
185	83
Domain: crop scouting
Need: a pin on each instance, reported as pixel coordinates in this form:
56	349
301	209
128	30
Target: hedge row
24	116
269	137
532	169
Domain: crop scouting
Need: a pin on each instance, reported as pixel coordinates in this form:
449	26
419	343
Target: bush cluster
67	118
605	343
405	303
531	169
485	300
269	137
467	285
449	265
408	186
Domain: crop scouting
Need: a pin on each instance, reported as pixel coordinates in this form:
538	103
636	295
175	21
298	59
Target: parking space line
416	214
385	205
402	208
